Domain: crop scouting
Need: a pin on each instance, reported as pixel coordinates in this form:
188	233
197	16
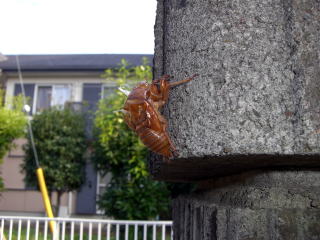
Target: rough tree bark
255	105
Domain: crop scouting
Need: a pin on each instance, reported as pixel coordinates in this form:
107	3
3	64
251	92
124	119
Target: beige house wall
16	198
10	169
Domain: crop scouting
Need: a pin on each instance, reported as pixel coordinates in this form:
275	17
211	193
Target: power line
35	153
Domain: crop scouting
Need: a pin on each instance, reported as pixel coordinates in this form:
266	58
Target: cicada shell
142	115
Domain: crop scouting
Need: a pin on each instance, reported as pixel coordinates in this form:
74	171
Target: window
29	89
51	95
102	184
43	98
61	94
108	90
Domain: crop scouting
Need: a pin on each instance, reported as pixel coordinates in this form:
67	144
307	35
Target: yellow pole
45	197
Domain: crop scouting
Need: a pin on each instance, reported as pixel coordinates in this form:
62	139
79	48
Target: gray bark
256	101
279	205
254	105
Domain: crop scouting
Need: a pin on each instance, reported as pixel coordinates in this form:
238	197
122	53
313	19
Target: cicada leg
183	81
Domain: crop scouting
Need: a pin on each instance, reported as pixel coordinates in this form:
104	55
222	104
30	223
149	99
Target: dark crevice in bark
296	68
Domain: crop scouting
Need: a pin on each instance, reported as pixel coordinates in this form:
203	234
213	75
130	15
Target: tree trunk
280	205
255	105
256	100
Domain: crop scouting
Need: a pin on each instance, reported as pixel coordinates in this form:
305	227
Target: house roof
70	62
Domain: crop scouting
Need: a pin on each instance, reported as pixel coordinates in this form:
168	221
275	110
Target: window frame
107	85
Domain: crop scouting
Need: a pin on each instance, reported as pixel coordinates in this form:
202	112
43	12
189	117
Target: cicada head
159	89
143	85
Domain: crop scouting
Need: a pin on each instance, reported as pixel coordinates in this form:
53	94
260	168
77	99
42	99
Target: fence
37	228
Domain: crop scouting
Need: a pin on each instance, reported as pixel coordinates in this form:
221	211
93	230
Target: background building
54	80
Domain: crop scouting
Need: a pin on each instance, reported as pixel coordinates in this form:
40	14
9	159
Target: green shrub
59	137
12	125
131	194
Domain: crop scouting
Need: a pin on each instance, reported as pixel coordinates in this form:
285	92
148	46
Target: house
52	80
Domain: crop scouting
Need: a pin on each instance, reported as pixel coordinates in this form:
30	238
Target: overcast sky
76	26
